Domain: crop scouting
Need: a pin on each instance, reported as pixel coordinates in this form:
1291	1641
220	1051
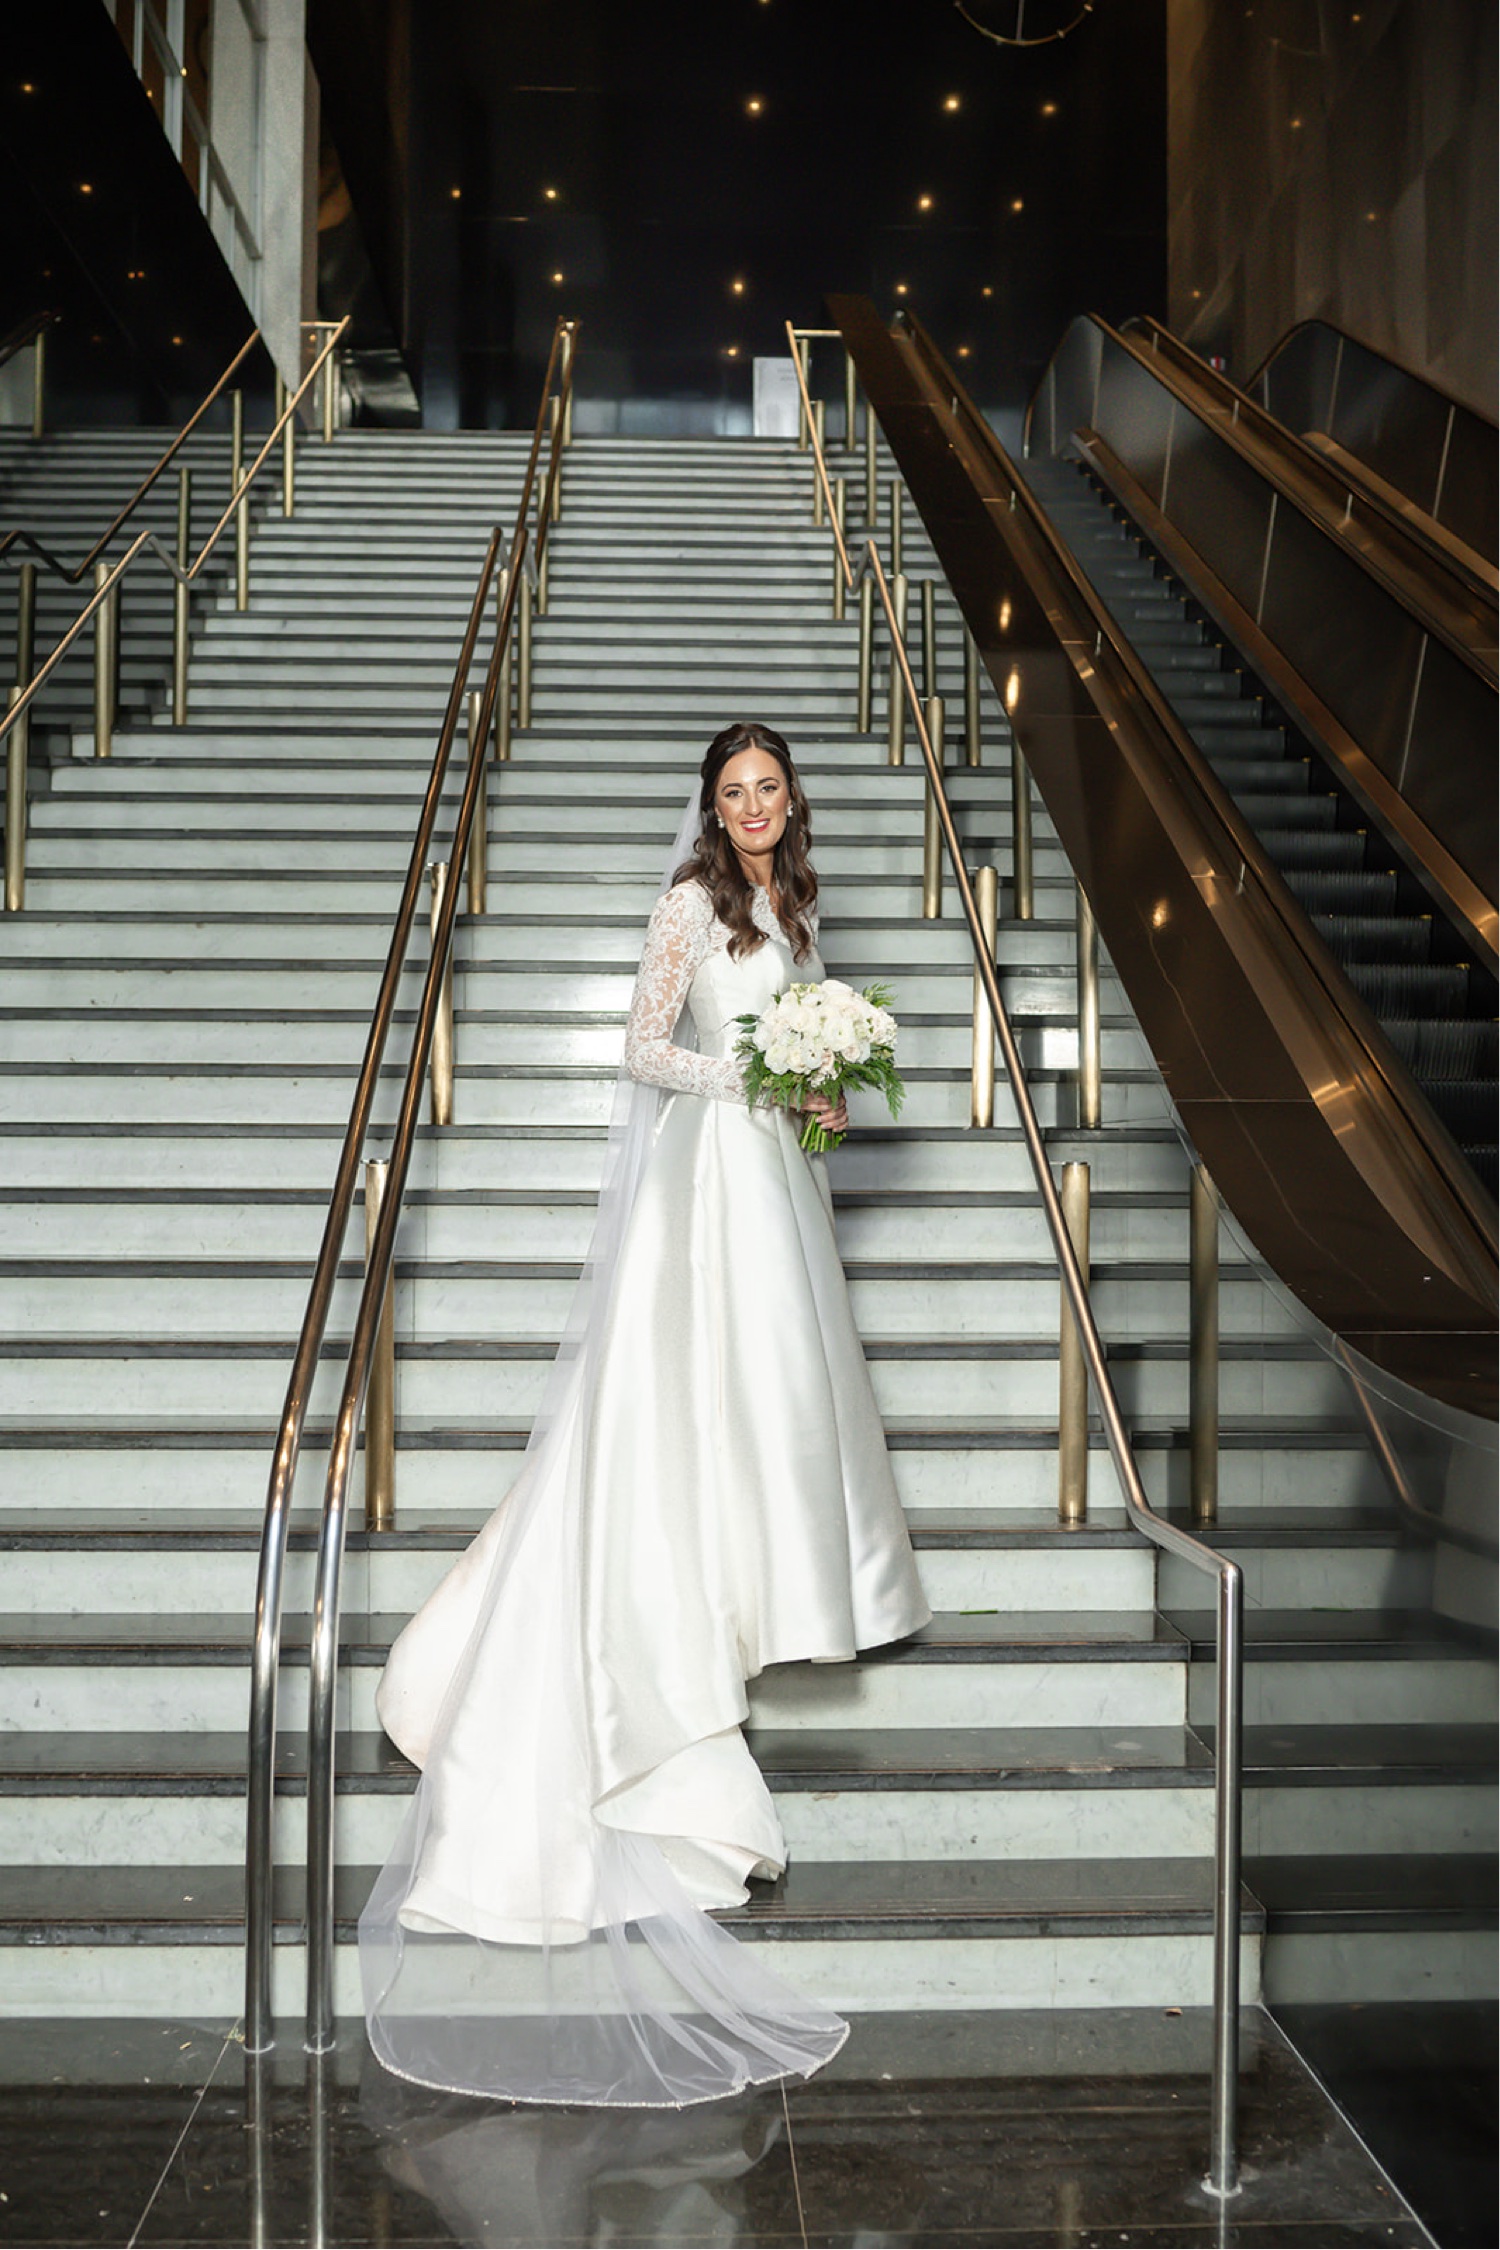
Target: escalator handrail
71	573
1401	366
1222	822
1435	548
1289	483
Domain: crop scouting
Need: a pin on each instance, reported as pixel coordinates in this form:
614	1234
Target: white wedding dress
710	1494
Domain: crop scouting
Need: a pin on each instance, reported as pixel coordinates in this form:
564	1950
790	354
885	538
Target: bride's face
753	801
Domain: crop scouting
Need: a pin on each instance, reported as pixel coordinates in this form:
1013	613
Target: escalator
1415	447
1407	962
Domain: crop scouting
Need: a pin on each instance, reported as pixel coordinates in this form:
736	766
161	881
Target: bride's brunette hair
715	863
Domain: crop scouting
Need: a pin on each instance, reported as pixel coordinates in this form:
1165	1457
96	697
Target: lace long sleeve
677	943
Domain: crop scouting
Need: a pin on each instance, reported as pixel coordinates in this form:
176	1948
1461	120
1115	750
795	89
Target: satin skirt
735	1508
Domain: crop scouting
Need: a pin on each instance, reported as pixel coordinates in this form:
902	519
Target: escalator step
1410	988
1285	777
1323	849
1237	742
1466	1107
1315	814
1445	1049
1385	938
1343	890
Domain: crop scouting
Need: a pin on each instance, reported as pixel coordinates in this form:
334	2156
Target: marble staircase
1015	1809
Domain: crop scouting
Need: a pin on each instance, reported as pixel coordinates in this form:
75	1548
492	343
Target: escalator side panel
1304	1150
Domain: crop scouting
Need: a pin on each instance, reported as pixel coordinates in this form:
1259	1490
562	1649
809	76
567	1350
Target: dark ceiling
453	119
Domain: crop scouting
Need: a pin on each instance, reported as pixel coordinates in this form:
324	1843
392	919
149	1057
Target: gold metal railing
103	606
368	1380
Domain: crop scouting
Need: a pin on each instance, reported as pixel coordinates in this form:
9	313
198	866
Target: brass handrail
817	448
71	575
144	540
261	1747
1223	2161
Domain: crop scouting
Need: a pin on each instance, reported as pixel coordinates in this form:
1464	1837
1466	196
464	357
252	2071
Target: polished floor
1021	2129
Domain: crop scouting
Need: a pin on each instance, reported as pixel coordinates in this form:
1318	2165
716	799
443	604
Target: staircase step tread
1376	1890
1018	1898
172	1530
183	1763
1133	1349
801	1759
1299	1634
954	1636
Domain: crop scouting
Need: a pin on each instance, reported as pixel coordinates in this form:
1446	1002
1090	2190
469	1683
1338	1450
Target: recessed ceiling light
754	106
901	289
737	288
557	280
456	193
952	102
1049	109
987	291
549	194
1016	203
85	187
963	351
731	351
924	202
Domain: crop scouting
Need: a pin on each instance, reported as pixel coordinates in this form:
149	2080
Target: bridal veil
604	1983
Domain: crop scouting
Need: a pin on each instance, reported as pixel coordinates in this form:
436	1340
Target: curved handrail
147	541
1395	560
71	575
1223	2160
1375	351
26	332
1417	541
261	1745
1170	1537
1470	1244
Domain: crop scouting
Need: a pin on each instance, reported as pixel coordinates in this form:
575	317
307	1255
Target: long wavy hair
715	863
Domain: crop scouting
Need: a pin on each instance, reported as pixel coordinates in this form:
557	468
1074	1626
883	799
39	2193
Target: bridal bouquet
820	1039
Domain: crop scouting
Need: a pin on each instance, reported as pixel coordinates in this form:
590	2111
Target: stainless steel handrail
261	1746
1223	2159
144	540
1223	2165
71	574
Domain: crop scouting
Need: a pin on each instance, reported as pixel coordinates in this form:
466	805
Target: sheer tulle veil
648	2001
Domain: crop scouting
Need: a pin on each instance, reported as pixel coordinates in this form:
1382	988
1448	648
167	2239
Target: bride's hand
832	1116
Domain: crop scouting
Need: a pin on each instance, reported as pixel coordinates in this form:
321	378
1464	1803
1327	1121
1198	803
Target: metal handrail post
478	862
929	639
872	467
839	588
851	433
982	1078
106	621
818	470
241	503
181	596
1022	898
801	353
523	655
896	516
865	696
1203	1346
380	1398
1072	1374
442	1037
1168	1536
288	449
25	623
15	816
39	385
504	697
971	699
895	736
932	834
1090	1064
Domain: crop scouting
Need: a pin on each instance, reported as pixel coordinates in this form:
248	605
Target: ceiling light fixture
924	202
754	106
952	102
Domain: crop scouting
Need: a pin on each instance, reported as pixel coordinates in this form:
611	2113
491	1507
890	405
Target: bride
706	1492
